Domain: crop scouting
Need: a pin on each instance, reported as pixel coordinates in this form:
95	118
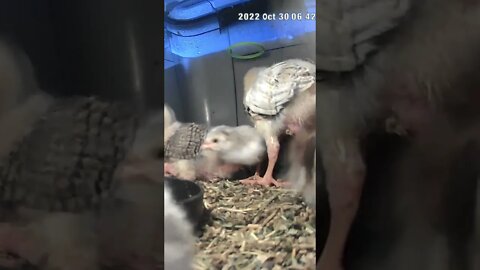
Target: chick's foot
253	177
263	181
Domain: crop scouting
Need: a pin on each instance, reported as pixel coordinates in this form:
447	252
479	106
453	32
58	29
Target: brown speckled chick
182	146
278	99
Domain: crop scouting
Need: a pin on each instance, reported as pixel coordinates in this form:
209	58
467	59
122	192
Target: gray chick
192	151
226	149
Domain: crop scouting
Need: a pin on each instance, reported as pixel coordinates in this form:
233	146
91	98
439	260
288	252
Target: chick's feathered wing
185	143
277	85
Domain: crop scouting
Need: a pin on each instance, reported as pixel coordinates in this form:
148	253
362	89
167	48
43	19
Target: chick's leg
273	148
345	173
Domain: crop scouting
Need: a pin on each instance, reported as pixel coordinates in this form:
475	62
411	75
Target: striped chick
278	100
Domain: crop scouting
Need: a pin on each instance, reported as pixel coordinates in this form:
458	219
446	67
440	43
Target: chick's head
218	140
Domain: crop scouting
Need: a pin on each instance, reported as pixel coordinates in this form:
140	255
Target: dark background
111	48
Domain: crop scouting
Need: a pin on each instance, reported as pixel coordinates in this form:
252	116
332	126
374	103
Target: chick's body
182	150
226	149
278	99
185	143
182	147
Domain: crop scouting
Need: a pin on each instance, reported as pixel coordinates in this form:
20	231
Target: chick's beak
206	146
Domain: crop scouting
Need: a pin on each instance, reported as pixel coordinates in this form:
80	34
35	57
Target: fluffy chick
182	146
278	99
226	149
192	151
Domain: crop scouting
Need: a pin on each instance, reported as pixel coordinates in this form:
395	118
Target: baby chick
182	147
226	149
192	151
278	99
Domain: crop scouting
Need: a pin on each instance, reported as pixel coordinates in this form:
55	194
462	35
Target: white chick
226	149
278	99
178	232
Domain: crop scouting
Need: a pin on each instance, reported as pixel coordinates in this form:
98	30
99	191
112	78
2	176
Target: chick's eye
215	140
